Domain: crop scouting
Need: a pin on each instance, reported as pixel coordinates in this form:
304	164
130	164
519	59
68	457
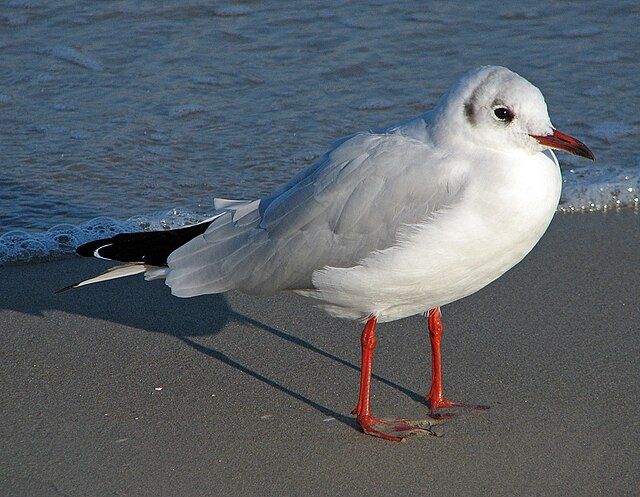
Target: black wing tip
88	249
149	247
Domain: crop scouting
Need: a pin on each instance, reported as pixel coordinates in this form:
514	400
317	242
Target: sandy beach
122	389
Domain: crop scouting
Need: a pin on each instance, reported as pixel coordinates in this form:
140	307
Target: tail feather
152	247
110	274
143	252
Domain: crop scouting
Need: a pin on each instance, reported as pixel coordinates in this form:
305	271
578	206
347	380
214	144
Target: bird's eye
503	114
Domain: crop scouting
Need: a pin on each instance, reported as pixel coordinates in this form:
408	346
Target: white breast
503	212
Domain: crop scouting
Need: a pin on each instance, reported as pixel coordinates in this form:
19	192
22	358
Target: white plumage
385	225
398	221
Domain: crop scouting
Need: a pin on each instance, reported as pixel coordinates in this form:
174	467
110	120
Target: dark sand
121	389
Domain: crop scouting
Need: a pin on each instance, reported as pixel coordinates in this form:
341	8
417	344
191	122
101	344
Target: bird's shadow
149	306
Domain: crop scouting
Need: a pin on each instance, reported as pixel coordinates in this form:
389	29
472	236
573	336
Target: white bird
385	224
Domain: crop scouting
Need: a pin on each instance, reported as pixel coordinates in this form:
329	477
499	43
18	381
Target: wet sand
121	389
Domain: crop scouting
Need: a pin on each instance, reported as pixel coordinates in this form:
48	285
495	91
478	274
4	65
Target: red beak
565	142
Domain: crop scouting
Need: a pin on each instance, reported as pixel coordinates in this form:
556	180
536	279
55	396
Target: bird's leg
388	428
435	398
368	341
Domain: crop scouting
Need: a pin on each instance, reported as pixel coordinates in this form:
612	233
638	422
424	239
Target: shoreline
45	238
120	388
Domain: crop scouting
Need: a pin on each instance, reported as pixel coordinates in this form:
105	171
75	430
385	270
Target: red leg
435	397
368	341
388	428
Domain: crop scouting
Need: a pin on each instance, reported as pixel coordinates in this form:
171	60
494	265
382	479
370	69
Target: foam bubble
62	239
591	190
20	246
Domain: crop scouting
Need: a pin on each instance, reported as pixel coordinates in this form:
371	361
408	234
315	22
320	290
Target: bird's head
495	108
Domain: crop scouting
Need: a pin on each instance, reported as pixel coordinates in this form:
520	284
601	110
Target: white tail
112	274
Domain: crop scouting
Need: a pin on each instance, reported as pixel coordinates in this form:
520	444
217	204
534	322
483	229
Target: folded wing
353	201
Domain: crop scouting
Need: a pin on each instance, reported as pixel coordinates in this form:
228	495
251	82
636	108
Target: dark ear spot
469	113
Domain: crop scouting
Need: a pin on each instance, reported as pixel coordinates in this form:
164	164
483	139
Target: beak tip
567	143
583	151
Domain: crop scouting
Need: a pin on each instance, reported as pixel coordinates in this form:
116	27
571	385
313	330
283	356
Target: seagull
385	225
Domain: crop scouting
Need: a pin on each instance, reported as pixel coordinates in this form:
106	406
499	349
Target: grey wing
353	201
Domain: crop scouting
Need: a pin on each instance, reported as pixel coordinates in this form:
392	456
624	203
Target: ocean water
135	115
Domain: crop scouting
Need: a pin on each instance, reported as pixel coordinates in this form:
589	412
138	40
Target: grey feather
353	201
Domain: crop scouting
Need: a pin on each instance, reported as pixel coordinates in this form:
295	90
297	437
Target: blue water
144	111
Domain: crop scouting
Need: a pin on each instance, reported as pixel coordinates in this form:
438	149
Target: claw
435	398
396	429
434	405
